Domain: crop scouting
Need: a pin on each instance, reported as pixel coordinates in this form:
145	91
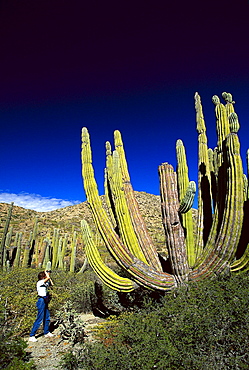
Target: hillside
68	218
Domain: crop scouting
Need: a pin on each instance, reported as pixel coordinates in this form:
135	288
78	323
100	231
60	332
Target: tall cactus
17	259
220	188
183	184
4	235
73	252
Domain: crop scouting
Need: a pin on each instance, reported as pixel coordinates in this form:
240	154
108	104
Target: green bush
18	295
12	349
201	326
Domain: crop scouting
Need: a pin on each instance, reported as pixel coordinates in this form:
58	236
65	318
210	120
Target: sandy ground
47	352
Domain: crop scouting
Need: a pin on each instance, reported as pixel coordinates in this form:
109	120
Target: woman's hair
41	275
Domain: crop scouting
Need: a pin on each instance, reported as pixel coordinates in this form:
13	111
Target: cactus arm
42	251
231	225
242	263
60	254
47	254
213	174
55	245
229	102
188	200
127	232
144	238
108	182
141	272
222	126
109	277
173	229
186	192
204	217
18	251
73	252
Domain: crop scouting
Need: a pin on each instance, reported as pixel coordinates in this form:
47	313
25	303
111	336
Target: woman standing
43	315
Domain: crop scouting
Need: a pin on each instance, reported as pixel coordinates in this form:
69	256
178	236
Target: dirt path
47	352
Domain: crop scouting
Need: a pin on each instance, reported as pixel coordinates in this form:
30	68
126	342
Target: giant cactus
220	218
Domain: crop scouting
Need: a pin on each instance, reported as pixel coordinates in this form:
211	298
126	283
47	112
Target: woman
43	315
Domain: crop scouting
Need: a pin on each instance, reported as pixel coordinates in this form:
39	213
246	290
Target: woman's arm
48	278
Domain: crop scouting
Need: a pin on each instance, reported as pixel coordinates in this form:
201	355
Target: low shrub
12	349
201	326
18	295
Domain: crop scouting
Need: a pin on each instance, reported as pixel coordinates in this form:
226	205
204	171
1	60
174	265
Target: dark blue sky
127	65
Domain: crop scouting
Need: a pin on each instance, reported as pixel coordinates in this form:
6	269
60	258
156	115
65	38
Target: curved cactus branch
144	238
142	273
188	200
229	232
108	277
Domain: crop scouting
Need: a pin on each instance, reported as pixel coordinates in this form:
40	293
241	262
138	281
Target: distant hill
69	217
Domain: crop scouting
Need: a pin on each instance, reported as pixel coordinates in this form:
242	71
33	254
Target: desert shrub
201	326
71	324
18	295
12	349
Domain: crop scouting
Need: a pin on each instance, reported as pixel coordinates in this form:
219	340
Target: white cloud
36	201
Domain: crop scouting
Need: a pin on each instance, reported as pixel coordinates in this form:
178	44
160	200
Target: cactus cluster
195	250
37	250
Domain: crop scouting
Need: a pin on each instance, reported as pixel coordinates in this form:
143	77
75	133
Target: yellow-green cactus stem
222	125
55	244
26	252
233	122
17	259
229	102
204	217
107	184
213	174
47	256
223	251
245	187
73	252
60	256
186	198
109	277
141	272
126	230
145	241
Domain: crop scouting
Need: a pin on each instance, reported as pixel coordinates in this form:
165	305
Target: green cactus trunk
173	228
187	219
73	252
204	219
4	235
17	260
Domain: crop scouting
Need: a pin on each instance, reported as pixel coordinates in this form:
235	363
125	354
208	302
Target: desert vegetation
172	280
202	326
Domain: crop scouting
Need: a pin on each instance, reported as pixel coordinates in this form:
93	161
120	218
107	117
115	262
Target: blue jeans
43	315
